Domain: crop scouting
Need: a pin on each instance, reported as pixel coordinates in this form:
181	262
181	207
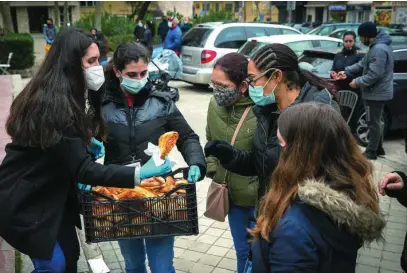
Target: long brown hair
319	145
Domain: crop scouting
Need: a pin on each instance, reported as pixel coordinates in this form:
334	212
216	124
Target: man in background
174	36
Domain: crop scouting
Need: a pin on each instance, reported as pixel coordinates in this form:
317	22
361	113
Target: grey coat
377	66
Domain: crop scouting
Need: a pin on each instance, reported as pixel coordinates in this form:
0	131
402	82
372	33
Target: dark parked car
320	62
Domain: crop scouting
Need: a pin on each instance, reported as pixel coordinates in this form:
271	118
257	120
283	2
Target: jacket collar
358	219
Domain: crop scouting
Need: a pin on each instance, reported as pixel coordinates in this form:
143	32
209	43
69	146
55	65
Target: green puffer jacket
221	124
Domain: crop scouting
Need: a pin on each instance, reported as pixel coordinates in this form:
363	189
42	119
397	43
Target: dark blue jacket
173	39
320	232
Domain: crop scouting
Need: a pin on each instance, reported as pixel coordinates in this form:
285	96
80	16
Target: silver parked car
205	43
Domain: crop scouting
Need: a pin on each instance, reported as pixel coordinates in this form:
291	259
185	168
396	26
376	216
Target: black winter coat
401	196
344	59
154	113
263	158
38	188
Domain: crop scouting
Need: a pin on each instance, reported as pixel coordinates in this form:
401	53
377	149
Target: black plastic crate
110	220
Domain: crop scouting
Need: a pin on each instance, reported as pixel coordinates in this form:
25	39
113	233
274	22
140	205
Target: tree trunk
143	10
56	13
6	13
98	16
66	19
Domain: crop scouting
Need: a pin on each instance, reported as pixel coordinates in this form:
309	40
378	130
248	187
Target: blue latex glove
96	148
84	187
194	173
150	169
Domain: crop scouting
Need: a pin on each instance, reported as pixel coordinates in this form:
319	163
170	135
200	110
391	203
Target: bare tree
6	13
139	8
66	19
56	13
98	16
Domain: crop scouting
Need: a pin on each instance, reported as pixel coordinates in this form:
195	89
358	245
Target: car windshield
250	47
320	64
196	37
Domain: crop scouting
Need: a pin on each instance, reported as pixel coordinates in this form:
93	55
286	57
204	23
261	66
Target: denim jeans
160	253
240	219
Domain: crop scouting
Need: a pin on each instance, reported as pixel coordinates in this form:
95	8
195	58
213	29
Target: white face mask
170	24
94	77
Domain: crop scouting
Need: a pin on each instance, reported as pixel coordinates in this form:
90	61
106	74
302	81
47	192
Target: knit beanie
368	30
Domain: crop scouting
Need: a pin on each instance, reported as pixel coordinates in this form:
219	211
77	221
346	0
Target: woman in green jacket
225	110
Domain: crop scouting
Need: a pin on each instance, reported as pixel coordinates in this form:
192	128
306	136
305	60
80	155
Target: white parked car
298	43
205	43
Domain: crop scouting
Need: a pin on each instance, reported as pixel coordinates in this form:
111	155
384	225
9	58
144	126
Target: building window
88	3
197	6
61	15
237	6
229	7
216	6
206	6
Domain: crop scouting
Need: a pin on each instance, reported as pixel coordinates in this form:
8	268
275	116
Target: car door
397	105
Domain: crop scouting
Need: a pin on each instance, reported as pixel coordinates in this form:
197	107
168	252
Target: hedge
115	41
22	46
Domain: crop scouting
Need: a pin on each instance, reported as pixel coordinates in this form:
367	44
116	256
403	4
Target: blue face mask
256	94
134	86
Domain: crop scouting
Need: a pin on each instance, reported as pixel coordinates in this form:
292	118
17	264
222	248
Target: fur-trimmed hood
358	219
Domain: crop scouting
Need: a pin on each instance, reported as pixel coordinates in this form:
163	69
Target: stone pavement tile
113	265
231	254
214	231
116	271
221	270
119	255
182	243
370	261
207	239
366	269
228	264
192	256
394	232
206	221
220	225
371	252
393	248
391	256
105	246
227	234
200	247
228	243
397	219
202	228
388	271
178	252
397	213
390	265
375	245
123	265
115	245
201	268
218	251
393	239
109	256
210	259
181	264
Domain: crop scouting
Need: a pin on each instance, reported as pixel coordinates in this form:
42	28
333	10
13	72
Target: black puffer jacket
263	158
344	59
153	113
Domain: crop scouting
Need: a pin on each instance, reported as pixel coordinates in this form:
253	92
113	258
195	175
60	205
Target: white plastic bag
154	151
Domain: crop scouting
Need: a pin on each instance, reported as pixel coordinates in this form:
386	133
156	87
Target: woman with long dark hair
275	82
228	105
322	205
51	123
347	57
137	113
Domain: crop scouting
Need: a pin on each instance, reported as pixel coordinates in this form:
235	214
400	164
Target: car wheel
361	130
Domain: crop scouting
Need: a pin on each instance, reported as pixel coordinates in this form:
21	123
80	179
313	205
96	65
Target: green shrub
112	25
115	41
22	46
214	16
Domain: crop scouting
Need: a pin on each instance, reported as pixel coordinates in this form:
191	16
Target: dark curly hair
234	65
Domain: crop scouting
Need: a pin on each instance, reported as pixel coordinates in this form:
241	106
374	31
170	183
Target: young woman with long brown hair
322	205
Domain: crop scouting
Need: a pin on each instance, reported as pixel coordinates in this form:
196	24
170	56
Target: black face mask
349	51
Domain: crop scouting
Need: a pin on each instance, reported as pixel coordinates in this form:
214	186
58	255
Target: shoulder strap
239	125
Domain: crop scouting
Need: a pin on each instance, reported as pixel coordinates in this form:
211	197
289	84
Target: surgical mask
256	94
94	77
140	24
169	24
225	96
134	86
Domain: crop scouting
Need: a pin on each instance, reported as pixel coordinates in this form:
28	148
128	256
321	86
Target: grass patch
18	262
